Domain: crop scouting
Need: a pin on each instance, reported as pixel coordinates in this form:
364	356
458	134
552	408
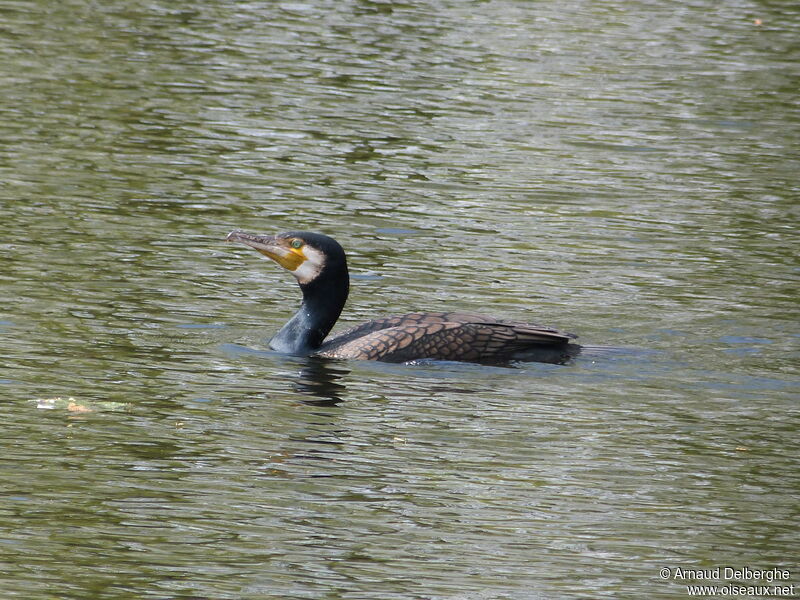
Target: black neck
323	300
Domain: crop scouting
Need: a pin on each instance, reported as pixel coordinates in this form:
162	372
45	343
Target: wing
417	318
424	318
427	335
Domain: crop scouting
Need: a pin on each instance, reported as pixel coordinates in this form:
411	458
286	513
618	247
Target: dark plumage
319	264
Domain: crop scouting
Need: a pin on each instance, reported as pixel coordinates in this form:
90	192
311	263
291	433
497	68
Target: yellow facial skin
286	255
287	252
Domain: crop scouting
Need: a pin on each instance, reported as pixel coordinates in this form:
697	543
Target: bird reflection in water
319	380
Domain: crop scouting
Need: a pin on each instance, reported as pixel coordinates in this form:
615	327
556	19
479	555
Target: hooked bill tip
259	242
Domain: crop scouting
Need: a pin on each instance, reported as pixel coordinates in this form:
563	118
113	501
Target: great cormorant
319	264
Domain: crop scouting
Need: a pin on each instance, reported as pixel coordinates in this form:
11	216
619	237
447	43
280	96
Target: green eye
296	244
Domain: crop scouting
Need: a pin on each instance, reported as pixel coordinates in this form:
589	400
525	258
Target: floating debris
73	405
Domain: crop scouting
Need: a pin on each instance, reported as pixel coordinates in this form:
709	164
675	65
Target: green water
623	170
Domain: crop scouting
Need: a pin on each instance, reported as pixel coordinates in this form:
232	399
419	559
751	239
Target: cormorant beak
271	246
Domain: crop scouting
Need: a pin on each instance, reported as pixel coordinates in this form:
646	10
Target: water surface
626	171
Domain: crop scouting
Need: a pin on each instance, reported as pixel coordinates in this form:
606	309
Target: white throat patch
310	267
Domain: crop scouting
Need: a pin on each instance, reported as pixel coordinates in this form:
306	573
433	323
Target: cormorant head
306	255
